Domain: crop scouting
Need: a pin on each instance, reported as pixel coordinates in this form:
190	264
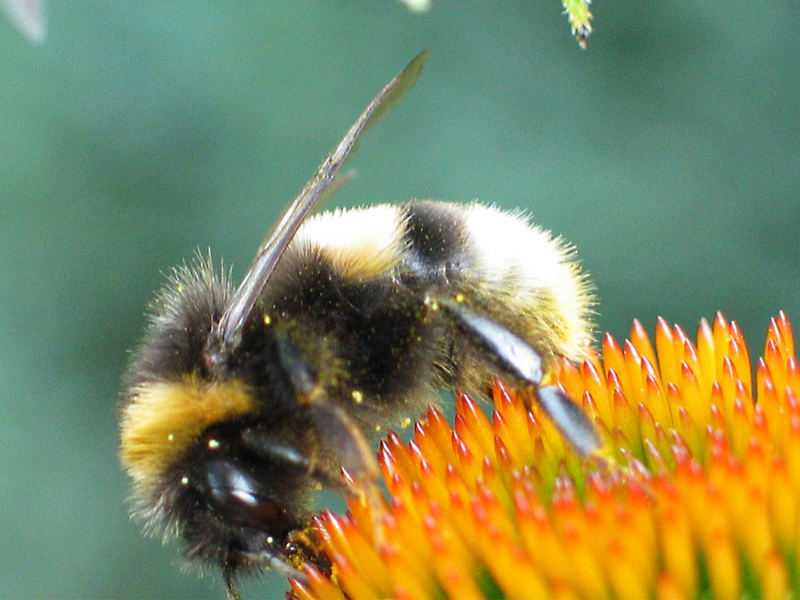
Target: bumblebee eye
237	496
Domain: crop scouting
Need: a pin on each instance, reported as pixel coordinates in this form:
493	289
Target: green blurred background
668	152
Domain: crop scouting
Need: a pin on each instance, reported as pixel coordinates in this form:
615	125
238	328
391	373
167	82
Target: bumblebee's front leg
334	442
516	359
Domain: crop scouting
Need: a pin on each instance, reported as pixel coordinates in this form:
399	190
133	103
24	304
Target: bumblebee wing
311	197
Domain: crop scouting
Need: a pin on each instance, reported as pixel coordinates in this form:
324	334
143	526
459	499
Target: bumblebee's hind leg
515	358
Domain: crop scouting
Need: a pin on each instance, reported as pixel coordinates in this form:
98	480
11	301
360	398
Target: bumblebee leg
570	420
339	432
319	442
515	358
352	450
353	456
230	584
346	447
265	560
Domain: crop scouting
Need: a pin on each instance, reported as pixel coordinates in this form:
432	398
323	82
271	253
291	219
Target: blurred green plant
577	12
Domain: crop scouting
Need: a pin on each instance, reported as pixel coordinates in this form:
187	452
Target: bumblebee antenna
228	333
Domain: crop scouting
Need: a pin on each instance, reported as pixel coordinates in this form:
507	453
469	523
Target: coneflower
696	492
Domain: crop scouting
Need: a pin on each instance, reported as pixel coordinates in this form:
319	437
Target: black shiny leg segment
569	418
515	358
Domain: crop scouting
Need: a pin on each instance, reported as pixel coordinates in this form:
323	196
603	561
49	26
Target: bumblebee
240	402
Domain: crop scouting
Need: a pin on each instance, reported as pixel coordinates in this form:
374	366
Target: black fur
181	318
366	336
436	242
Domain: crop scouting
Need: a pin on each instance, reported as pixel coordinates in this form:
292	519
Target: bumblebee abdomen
534	277
516	271
507	268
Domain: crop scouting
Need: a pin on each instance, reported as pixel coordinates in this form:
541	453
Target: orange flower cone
696	492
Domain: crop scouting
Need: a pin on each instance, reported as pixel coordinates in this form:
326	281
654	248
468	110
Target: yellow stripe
164	418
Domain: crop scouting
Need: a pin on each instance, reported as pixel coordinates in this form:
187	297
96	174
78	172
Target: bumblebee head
210	461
